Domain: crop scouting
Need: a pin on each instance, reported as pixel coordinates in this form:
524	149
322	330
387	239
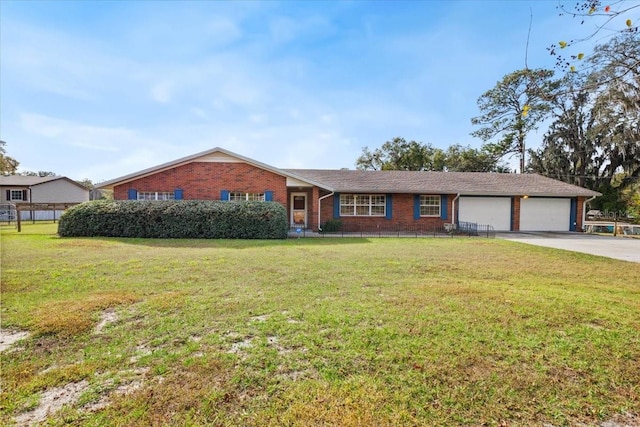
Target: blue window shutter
268	196
389	207
416	206
336	205
133	194
573	216
443	206
177	194
224	195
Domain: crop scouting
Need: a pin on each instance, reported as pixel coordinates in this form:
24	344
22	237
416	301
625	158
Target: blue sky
97	90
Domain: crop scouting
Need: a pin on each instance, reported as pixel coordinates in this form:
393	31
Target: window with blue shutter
177	194
443	206
224	195
416	206
336	205
132	194
268	196
389	207
573	215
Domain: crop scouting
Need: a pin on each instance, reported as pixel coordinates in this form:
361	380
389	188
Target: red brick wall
579	219
516	213
205	181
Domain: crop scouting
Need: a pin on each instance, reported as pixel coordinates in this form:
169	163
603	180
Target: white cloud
161	92
289	85
79	135
285	29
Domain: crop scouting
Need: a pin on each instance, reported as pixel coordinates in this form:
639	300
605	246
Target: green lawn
334	332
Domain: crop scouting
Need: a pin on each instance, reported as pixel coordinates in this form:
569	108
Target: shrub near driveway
345	332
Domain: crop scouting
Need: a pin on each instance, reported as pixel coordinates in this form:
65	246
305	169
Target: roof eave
109	185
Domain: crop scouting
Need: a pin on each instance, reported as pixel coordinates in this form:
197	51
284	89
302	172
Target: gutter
453	209
320	207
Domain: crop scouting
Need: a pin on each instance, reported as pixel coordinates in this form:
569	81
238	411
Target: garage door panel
494	211
545	214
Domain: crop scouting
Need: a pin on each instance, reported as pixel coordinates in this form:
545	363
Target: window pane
362	210
377	210
362	200
362	204
429	205
346	210
255	197
347	202
236	196
346	199
378	200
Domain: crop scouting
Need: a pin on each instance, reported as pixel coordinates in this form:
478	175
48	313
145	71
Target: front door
299	209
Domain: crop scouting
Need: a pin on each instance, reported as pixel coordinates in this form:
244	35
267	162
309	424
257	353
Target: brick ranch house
508	202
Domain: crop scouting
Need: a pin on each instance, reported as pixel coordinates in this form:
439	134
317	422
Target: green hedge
199	219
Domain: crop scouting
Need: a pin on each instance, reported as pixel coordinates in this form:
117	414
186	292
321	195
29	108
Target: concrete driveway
626	249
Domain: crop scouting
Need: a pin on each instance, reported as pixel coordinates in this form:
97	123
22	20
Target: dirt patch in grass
107	316
8	338
134	381
52	401
622	420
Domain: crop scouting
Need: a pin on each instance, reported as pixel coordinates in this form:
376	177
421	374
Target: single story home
40	190
507	202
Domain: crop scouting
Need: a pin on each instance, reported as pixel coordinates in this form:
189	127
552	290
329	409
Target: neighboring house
312	197
35	190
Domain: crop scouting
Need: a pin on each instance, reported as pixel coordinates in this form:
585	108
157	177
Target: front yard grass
340	332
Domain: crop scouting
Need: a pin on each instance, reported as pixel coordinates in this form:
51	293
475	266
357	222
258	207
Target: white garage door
545	214
494	211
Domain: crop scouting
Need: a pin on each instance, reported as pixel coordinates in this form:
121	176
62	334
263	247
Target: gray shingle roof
20	180
30	181
356	181
466	183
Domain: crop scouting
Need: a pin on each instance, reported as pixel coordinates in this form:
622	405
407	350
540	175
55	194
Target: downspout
453	209
584	210
320	208
31	212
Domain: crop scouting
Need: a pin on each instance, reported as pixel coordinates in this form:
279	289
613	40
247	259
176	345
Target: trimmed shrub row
199	219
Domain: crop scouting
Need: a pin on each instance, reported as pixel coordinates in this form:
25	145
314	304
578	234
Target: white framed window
362	205
156	195
18	195
429	205
238	196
